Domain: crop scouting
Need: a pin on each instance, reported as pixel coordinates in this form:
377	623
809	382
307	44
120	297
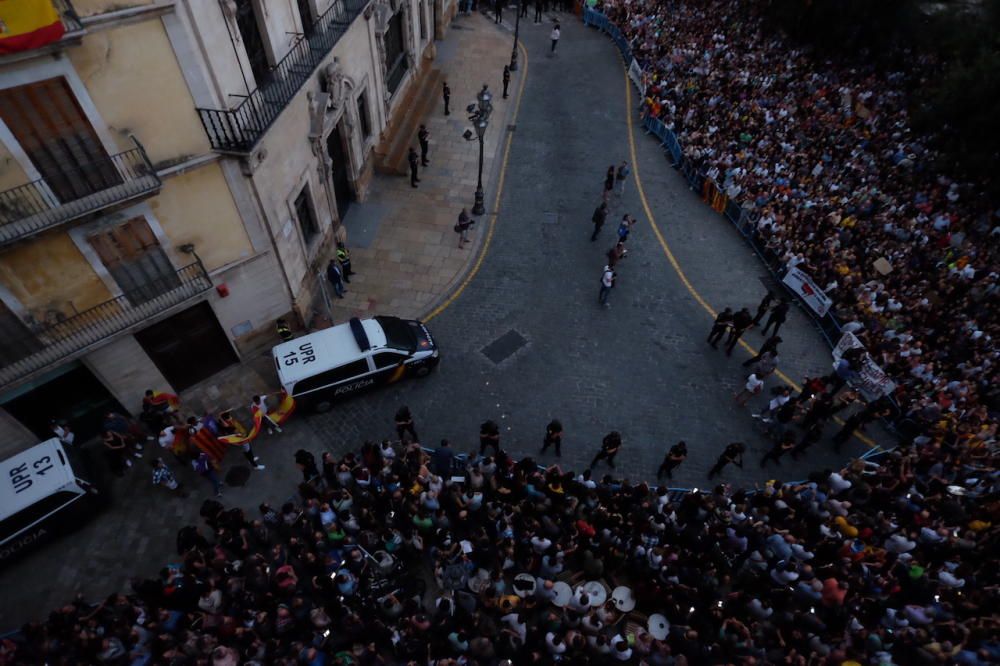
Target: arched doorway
340	167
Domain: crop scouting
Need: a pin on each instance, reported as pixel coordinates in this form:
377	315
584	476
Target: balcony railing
30	209
48	343
70	19
238	130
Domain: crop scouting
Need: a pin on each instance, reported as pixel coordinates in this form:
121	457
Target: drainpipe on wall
248	172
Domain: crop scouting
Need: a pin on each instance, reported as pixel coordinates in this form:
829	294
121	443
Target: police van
321	367
41	495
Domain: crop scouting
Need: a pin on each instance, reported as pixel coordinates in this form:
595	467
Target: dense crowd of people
394	555
399	555
838	184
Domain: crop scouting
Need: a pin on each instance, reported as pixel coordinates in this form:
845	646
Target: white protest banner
847	341
871	379
803	285
635	73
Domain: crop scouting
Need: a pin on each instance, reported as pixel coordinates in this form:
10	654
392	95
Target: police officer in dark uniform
722	322
423	136
412	159
741	322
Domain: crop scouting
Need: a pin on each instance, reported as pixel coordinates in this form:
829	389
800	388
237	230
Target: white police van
41	495
321	367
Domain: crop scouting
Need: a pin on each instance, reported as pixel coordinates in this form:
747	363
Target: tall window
253	40
366	122
307	216
395	52
305	13
134	258
422	8
52	129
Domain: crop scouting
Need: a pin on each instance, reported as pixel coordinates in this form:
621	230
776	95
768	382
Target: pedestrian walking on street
753	386
616	254
462	227
506	79
625	227
554	36
820	412
117	453
599	217
675	456
498	11
621	177
553	437
732	454
412	159
770	345
344	259
741	322
336	277
424	136
777	317
404	425
204	466
446	93
609	183
609	449
723	321
162	476
780	448
489	435
607	284
523	4
767	364
538	11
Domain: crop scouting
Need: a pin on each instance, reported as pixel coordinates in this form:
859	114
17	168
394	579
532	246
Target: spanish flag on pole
28	24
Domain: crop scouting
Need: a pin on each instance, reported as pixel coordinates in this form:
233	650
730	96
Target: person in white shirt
607	283
554	36
753	386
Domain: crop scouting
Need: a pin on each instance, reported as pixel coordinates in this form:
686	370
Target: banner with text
635	73
871	379
802	284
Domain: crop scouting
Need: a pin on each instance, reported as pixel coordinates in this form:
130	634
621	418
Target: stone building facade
172	178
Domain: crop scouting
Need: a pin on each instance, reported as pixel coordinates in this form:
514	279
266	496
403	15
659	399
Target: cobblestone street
641	366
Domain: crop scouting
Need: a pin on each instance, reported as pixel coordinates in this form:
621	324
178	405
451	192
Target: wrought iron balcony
36	347
239	129
30	209
70	19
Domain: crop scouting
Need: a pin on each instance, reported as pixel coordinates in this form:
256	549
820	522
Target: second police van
319	368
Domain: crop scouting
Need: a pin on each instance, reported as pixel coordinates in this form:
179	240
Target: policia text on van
320	367
41	495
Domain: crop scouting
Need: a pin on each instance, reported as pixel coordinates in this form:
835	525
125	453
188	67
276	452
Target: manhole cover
237	475
504	347
550	218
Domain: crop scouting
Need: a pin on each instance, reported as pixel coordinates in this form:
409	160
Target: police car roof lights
360	336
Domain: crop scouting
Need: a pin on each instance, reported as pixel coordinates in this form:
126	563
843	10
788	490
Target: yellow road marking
670	255
496	201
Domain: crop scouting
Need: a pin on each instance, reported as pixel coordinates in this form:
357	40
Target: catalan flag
28	24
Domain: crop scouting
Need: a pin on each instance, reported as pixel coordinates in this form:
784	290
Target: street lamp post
517	28
479	114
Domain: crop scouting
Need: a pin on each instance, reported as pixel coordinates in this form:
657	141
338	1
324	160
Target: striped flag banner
28	24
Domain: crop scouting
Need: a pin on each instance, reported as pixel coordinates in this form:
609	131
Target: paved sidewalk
403	245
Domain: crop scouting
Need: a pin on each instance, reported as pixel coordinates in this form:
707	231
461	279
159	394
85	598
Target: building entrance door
339	168
188	347
72	394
